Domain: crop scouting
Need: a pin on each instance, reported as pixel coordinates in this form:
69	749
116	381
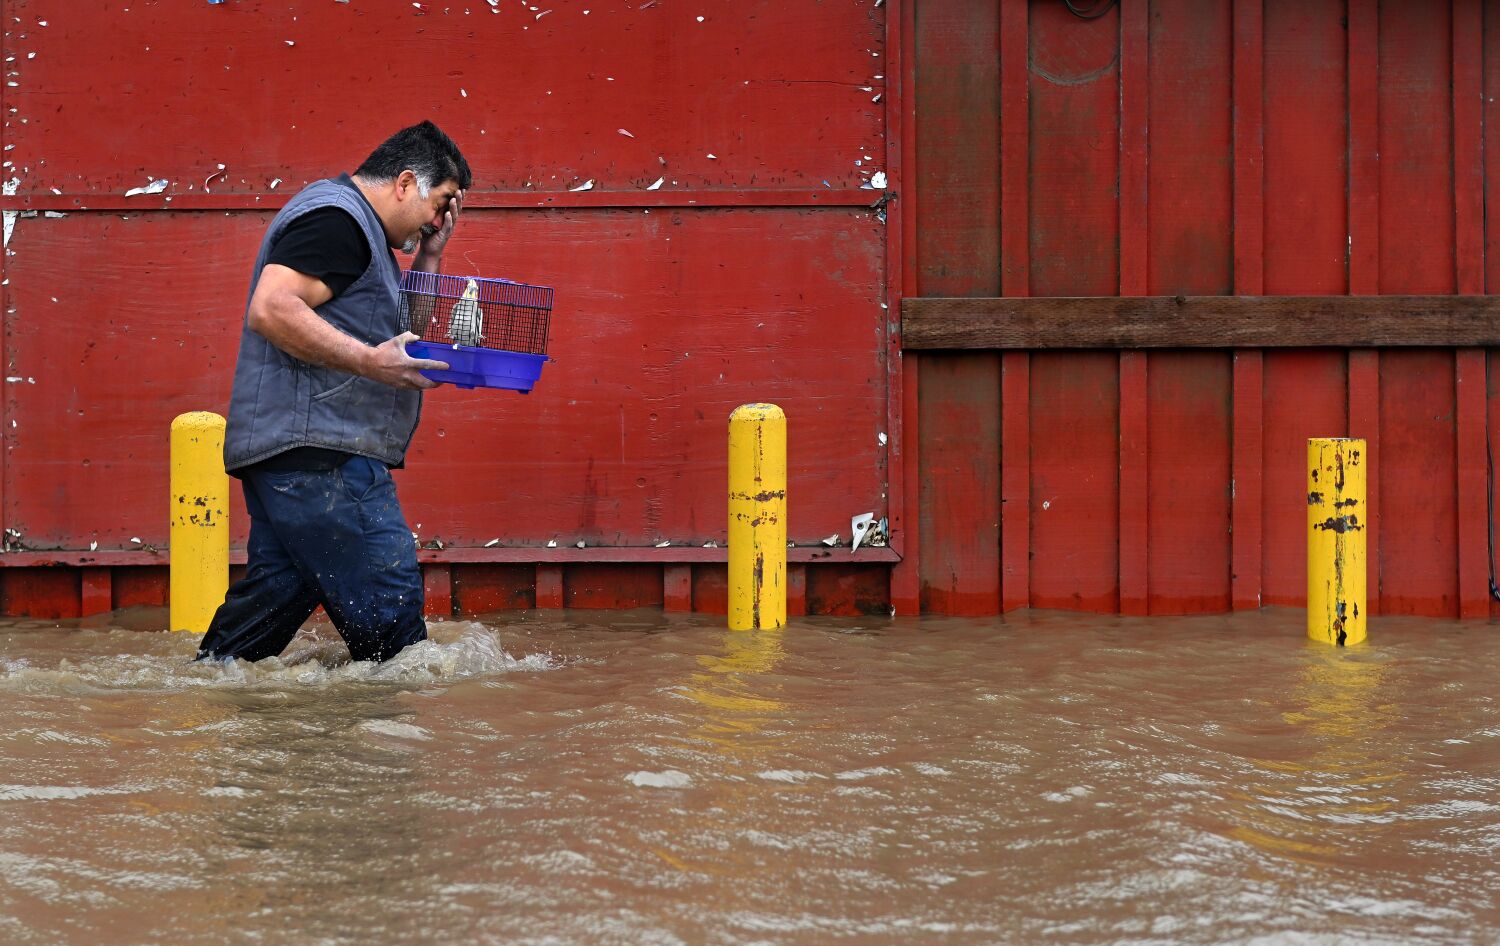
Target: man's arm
281	312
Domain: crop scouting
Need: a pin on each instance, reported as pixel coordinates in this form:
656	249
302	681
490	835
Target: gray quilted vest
279	402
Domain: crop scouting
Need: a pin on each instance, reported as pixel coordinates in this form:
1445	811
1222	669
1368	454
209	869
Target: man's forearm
425	262
289	324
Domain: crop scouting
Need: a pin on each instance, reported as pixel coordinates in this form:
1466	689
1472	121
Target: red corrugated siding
1236	146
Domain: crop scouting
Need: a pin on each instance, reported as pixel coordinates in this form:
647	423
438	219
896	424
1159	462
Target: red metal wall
1167	146
757	270
1280	147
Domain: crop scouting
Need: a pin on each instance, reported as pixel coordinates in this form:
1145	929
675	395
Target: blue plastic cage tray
492	333
470	367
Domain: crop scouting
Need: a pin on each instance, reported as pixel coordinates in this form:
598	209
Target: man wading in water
326	400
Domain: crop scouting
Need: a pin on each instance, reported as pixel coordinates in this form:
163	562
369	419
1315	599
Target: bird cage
491	332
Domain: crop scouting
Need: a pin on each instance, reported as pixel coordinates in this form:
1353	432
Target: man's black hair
422	149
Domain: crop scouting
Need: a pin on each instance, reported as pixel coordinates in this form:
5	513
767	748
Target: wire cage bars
476	312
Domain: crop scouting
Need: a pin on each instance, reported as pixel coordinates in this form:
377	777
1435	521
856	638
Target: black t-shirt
326	244
329	245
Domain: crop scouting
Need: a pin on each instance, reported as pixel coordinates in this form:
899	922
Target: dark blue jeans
330	537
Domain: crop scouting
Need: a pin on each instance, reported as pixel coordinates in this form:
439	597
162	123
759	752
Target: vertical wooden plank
796	590
549	587
1313	125
904	457
1248	477
958	102
1015	280
960	489
612	585
1489	117
1015	480
437	589
1363	86
1134	213
1364	261
1015	147
1473	509
1492	422
711	589
1249	146
677	587
1075	442
98	592
1134	560
1490	164
1468	205
1247	450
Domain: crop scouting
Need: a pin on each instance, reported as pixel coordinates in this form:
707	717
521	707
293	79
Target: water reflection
1336	764
737	698
737	715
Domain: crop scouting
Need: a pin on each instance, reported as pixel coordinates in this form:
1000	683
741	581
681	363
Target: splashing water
454	651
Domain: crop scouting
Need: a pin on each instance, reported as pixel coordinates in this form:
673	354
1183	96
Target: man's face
424	216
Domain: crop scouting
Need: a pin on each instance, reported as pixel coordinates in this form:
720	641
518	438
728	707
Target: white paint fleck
542	14
491	543
624	132
463	93
275	182
587	185
713	157
882	438
657	185
878	181
700	19
155	187
1046	504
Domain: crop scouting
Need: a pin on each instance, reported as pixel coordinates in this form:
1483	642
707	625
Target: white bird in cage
466	322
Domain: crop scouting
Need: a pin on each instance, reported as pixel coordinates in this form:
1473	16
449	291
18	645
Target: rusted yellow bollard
1336	522
200	521
757	517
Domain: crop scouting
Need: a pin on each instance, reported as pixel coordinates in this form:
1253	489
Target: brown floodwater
640	778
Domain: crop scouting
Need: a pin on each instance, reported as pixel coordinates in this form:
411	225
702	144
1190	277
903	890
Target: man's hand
390	364
433	243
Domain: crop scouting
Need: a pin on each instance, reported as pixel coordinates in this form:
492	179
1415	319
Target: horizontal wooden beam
1200	322
469	555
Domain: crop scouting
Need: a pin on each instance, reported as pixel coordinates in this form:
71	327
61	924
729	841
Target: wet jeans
331	537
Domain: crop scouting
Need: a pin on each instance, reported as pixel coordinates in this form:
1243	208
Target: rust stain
1340	524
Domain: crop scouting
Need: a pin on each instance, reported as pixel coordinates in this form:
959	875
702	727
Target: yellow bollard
1336	540
199	539
757	517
